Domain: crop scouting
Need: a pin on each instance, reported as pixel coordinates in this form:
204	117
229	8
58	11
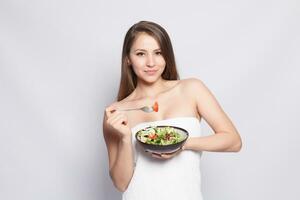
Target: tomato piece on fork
155	106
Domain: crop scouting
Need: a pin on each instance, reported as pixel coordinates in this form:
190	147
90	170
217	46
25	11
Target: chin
151	79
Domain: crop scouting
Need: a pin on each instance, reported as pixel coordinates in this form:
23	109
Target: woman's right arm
117	135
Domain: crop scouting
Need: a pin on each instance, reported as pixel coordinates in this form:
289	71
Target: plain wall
60	67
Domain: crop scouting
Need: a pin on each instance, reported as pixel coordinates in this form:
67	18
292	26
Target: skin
190	97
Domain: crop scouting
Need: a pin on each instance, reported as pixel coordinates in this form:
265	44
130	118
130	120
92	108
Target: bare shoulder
193	86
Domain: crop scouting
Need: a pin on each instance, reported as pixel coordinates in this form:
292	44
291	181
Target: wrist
126	138
186	145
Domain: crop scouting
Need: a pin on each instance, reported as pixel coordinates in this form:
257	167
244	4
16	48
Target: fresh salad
159	136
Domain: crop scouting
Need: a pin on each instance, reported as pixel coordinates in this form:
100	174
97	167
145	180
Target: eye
158	53
140	54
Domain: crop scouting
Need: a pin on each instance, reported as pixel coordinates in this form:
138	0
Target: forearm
219	142
122	170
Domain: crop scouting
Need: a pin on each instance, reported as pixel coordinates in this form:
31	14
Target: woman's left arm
226	137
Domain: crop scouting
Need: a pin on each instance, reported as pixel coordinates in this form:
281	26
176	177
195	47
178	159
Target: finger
165	156
149	152
112	116
170	155
109	110
117	120
173	153
113	121
183	147
120	124
124	118
156	155
121	115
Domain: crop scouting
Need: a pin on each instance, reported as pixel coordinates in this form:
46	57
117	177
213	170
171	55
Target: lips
151	72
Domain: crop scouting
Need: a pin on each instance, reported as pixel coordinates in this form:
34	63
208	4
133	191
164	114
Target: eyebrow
146	51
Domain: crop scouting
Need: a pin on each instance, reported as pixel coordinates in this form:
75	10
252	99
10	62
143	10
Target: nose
150	61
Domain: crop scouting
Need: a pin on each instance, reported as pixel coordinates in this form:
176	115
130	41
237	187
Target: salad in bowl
161	139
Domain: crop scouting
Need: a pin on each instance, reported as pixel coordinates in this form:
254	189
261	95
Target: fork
147	109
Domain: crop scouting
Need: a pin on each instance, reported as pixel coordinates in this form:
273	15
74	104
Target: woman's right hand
117	122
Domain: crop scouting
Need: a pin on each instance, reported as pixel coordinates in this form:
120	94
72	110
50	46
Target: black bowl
170	148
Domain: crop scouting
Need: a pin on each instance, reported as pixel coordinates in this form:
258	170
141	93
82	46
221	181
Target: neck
144	90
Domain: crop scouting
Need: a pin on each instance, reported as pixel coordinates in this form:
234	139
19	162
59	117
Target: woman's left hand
165	156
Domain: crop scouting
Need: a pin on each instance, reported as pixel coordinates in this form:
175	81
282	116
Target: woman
149	75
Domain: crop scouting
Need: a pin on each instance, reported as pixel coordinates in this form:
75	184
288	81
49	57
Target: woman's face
146	59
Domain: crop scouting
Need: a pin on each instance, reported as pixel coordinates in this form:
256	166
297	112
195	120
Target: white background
60	67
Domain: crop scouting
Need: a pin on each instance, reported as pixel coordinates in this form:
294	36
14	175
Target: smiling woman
149	75
146	58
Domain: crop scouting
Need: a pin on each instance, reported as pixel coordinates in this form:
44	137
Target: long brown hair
128	77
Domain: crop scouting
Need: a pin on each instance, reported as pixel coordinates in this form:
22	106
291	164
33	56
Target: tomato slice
153	136
155	106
